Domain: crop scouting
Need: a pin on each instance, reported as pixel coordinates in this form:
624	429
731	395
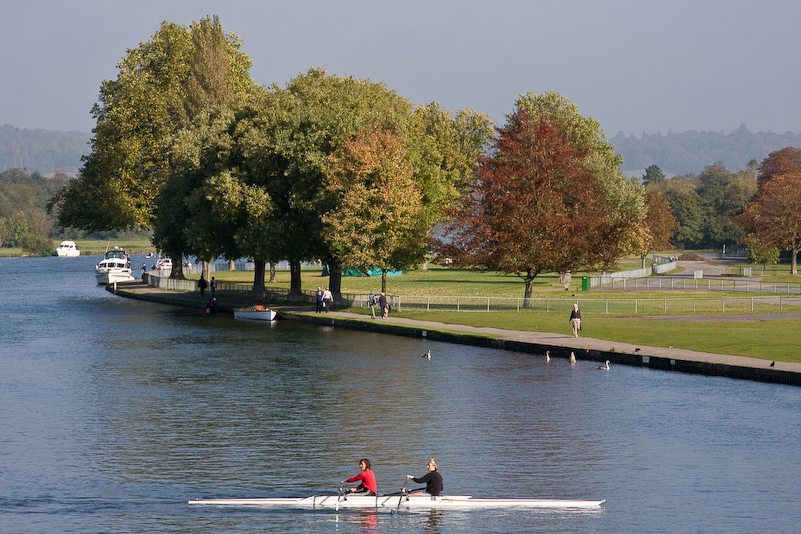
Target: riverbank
559	345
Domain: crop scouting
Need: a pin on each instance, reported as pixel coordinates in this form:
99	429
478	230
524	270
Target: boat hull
396	501
249	314
113	276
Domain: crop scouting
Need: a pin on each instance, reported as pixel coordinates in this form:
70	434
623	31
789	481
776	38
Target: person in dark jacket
202	284
432	480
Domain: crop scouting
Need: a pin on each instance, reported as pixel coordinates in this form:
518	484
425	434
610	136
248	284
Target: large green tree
161	85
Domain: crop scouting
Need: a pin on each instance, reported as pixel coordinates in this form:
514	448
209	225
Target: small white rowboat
255	313
398	501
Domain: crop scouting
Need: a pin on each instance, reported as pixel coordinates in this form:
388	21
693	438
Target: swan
572	358
604	367
547	355
426	354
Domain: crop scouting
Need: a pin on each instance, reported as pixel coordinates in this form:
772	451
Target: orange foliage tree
774	216
779	162
536	206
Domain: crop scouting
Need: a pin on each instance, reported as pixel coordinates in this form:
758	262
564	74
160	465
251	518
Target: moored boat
255	313
67	249
114	267
400	501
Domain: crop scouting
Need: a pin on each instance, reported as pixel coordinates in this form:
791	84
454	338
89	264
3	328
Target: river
116	412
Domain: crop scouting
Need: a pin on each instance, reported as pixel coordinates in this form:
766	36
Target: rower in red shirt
366	477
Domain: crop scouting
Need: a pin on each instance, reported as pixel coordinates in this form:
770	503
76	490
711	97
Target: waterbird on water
426	354
547	355
572	358
604	367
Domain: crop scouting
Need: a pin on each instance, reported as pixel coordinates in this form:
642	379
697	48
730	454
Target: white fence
610	278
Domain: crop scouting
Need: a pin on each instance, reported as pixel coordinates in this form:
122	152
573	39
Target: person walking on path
382	303
202	284
372	301
328	298
575	319
319	296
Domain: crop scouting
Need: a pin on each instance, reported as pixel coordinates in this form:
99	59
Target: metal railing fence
428	303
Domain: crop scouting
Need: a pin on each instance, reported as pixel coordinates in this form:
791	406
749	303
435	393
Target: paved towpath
544	339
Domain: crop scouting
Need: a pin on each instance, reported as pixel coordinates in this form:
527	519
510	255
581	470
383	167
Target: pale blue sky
635	65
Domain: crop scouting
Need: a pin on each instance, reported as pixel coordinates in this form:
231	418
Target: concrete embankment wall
652	362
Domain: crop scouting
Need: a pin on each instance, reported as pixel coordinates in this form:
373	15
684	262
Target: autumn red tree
774	217
536	206
779	162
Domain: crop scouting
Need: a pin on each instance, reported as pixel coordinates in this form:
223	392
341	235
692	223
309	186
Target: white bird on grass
604	367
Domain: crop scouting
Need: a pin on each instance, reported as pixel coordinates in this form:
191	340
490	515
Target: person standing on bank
212	286
366	477
202	284
372	302
383	304
328	298
319	296
432	479
575	319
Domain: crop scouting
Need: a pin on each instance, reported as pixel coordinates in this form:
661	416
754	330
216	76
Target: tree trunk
258	277
177	257
384	281
295	283
272	272
527	293
231	265
793	264
643	259
335	278
206	270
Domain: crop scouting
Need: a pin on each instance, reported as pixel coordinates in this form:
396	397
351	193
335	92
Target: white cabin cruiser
67	249
115	267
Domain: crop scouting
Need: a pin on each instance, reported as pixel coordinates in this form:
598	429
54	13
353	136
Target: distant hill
691	151
46	151
43	151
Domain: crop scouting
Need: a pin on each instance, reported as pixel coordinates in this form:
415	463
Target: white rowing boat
255	313
399	501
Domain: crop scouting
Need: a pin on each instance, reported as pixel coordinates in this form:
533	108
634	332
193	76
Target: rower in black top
432	479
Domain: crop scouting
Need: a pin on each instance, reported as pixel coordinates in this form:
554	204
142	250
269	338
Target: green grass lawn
774	340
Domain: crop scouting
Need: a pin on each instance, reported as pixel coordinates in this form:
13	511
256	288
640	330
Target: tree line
345	171
690	151
44	151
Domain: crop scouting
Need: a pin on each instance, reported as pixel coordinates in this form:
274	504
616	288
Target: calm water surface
116	412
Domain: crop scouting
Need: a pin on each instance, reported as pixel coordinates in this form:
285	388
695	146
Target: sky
637	66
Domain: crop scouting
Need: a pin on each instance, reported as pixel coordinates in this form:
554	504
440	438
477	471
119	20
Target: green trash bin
585	283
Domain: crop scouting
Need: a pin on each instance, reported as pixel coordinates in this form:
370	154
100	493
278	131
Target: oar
340	496
403	494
